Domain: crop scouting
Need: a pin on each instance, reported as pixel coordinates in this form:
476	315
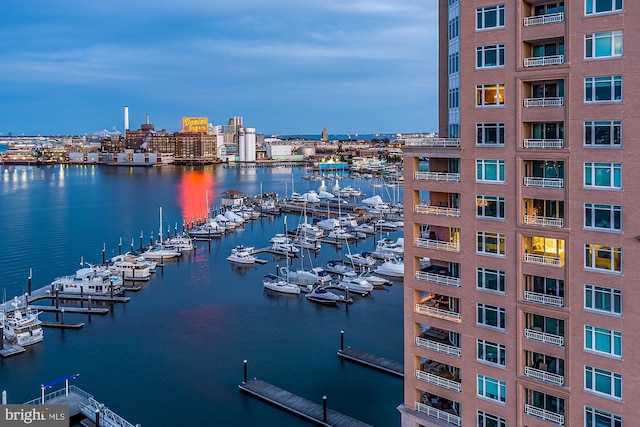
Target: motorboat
365	228
339	267
376	281
328	224
322	275
339	233
285	248
363	259
278	284
322	296
358	285
242	255
299	277
388	248
225	222
91	280
181	242
208	230
22	325
383	225
304	242
128	267
234	217
309	230
159	252
392	268
138	259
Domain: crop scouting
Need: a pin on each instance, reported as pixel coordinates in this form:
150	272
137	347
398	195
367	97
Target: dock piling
324	409
119	247
341	340
245	371
62	316
104	249
29	283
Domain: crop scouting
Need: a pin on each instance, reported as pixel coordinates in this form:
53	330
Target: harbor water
174	354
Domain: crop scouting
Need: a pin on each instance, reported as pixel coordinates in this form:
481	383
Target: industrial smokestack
147	119
126	119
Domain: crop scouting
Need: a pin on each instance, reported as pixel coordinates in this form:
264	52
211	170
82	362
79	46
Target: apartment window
600	298
603	89
492	389
452	2
490	207
490	279
491	243
454	130
454	63
490	17
454	28
492	316
603	217
490	94
490	56
490	133
599	257
603	340
592	7
488	420
603	45
492	352
603	133
599	418
454	98
489	170
551	130
603	175
601	381
549	8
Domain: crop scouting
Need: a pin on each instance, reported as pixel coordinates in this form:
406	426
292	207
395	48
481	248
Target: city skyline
285	67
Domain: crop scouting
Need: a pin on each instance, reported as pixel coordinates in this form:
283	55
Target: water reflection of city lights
193	191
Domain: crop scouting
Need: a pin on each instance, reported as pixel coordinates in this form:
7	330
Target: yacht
358	285
225	222
138	259
278	284
388	248
22	325
392	268
322	275
339	267
208	230
242	255
159	252
376	281
323	296
182	242
230	215
91	280
363	259
340	234
130	268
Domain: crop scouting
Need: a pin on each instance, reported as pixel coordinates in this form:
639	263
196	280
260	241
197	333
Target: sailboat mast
160	231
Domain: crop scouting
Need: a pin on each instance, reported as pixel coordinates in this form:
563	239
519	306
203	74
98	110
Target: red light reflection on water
192	194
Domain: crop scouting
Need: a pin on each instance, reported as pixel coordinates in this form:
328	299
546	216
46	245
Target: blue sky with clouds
285	66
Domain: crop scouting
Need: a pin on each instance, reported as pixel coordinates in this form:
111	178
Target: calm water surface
173	354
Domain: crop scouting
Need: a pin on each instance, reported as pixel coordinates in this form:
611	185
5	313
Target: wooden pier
297	405
371	360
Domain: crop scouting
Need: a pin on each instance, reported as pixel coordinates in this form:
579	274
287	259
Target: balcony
554	261
541	61
438	380
440	313
539	298
532	181
544	337
439	414
544	19
440	347
439	279
437	176
433	142
437	210
557	101
438	244
544	414
544	143
541	375
543	221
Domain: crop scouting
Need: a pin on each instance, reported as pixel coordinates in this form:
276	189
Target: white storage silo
242	149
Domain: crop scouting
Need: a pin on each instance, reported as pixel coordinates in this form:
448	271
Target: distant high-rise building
325	135
521	262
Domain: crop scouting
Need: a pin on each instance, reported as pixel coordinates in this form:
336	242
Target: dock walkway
380	363
300	406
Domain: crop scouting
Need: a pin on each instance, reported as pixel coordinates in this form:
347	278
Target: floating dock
297	405
9	349
380	363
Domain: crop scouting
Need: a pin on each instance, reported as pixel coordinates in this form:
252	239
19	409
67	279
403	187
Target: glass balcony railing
544	19
437	176
544	143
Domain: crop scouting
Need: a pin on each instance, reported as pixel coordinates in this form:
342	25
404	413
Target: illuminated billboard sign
195	124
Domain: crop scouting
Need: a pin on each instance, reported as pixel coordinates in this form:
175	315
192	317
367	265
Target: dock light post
97	417
141	240
324	409
29	283
62	314
104	249
42	394
245	371
341	340
120	247
89	308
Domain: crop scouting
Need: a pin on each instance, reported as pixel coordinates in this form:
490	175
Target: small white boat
363	259
392	268
242	255
284	248
375	280
208	230
340	234
323	296
388	248
309	230
159	252
225	222
22	325
91	280
130	268
234	217
355	284
278	284
339	267
304	242
182	242
322	275
138	259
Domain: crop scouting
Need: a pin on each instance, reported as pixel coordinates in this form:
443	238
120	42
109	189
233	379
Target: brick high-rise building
526	208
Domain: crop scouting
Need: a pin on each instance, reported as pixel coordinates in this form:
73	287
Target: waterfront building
526	206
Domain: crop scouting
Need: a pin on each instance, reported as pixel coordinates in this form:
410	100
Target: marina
202	299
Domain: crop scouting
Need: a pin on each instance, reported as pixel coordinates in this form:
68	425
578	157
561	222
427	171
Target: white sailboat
159	251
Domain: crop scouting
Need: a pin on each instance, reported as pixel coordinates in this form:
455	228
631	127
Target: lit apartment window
603	217
490	56
603	340
603	175
489	170
603	45
603	89
490	133
487	420
490	279
454	63
605	300
488	95
492	316
492	352
490	17
490	207
606	258
491	243
454	28
592	7
492	388
599	418
601	381
603	133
